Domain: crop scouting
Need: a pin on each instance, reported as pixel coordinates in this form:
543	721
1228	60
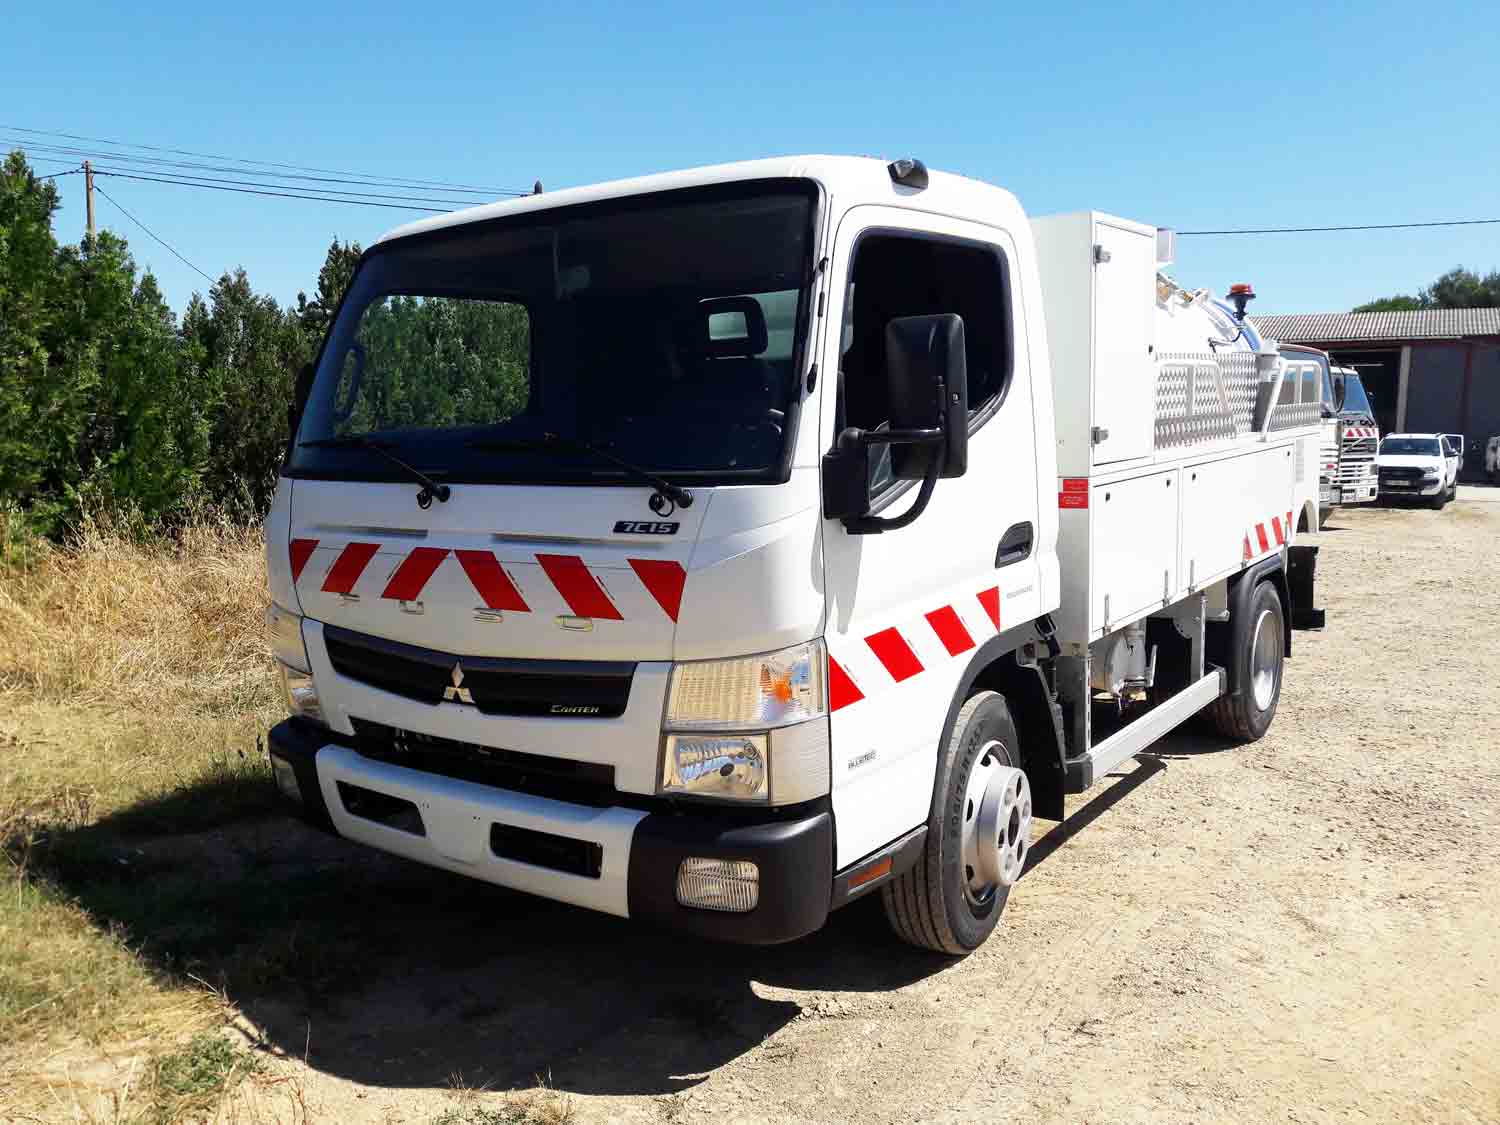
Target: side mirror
927	385
927	378
1340	390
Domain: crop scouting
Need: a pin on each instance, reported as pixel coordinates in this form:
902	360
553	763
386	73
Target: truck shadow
386	973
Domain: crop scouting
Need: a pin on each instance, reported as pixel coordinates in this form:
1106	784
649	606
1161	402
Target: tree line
109	401
1457	289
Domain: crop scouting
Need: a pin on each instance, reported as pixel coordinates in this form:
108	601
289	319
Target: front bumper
1416	487
630	855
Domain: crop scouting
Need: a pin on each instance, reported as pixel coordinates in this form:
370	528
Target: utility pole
88	195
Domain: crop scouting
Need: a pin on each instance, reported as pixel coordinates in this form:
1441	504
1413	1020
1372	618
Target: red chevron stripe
347	568
406	584
579	588
1249	554
664	579
990	599
301	550
950	630
842	690
491	582
1260	533
891	649
1276	528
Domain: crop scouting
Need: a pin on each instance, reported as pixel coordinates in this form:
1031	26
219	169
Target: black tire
1238	715
926	905
1323	514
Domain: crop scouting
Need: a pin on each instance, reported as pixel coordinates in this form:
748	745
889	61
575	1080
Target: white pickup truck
1420	465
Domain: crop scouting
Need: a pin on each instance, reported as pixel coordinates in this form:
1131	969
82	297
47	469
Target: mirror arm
929	436
874	525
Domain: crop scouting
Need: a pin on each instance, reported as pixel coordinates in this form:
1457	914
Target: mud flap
1301	577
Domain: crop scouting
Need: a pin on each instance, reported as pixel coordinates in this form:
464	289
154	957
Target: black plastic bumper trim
903	853
795	858
297	741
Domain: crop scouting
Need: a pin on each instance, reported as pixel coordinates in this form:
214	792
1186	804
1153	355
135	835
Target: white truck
1350	436
1358	438
716	548
1421	466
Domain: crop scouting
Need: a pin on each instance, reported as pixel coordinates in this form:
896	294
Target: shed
1427	371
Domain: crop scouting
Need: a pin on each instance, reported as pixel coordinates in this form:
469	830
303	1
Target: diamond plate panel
1189	407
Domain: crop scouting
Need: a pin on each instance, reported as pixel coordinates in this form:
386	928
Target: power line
152	233
330	193
1363	226
192	168
54	175
281	194
265	163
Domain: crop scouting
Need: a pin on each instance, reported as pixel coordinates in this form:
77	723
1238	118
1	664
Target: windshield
1418	446
663	330
1356	402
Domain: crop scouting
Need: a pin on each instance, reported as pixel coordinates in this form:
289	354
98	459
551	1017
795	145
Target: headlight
291	661
732	766
752	728
1430	474
749	692
286	638
301	693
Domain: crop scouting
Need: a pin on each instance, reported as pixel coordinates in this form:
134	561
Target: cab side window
898	275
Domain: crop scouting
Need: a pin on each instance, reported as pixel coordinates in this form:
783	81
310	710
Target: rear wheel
977	837
1258	648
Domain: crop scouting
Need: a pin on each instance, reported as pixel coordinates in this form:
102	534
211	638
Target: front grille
581	783
593	689
1402	473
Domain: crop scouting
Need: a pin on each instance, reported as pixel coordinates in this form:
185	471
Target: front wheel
977	837
1259	647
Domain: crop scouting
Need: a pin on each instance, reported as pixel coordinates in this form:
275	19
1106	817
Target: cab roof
852	179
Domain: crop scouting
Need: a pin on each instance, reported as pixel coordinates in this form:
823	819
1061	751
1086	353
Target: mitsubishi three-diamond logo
458	693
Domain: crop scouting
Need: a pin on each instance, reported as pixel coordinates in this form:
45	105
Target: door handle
1015	545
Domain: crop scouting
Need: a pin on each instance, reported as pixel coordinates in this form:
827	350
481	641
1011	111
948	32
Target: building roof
1424	324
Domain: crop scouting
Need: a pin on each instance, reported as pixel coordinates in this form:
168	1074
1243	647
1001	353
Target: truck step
1084	770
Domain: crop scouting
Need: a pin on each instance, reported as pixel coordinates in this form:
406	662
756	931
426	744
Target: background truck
717	548
1358	438
1350	437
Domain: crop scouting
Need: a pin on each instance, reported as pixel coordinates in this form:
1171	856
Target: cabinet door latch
1101	255
1099	434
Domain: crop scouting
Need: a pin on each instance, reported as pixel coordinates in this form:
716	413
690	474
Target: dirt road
1301	930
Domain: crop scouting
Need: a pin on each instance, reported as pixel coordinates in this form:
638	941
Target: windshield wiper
665	489
431	489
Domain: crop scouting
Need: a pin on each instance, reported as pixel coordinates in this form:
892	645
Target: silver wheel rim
996	825
1265	659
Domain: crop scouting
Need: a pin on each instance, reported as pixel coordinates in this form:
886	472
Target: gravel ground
1299	930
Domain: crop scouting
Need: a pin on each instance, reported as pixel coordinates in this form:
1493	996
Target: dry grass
109	619
541	1105
134	682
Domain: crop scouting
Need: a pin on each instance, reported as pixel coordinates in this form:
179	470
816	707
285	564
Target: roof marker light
908	172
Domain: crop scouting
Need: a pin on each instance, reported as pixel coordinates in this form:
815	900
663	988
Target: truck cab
691	548
1422	466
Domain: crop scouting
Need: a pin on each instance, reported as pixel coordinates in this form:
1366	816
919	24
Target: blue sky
1198	116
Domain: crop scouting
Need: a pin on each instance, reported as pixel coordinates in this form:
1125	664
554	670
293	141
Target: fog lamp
731	885
286	778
